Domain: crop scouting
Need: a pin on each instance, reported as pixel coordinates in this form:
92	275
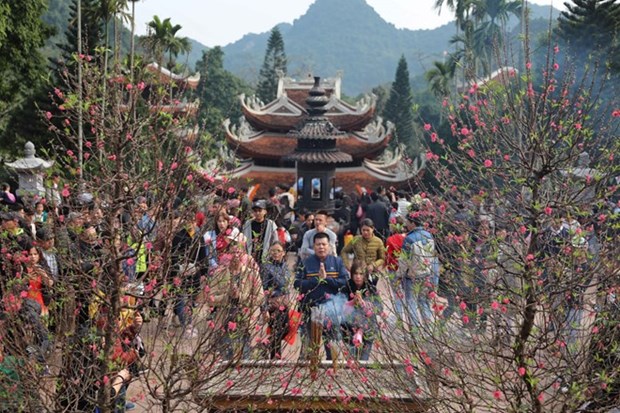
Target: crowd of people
245	260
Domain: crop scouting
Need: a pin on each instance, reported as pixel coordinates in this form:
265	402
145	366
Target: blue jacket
307	280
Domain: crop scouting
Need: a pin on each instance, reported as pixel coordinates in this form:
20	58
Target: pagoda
266	147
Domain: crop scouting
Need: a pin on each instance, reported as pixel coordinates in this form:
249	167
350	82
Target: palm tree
439	77
489	34
162	39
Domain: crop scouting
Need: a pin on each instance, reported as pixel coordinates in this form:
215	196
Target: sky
220	22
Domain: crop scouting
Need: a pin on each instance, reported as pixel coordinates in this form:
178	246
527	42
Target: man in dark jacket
321	277
379	213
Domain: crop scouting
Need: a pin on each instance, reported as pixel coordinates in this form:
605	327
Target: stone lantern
30	171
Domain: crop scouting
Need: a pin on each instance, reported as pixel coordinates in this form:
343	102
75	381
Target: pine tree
92	31
399	107
590	28
217	90
275	60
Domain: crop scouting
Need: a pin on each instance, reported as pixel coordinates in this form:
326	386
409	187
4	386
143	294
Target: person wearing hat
260	232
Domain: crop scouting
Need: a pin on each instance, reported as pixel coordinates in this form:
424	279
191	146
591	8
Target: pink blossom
556	66
48	115
463	305
229	383
141	86
427	126
130	261
521	371
522	229
578	126
506	157
616	113
176	281
429	156
556	49
528	65
458	392
160	166
65	192
497	395
471	153
112	157
409	370
488	163
190	178
541	397
69	152
296	391
128	86
232	326
464	131
106	379
88	144
529	257
465	319
231	190
494	305
595	330
93	284
548	210
433	137
174	166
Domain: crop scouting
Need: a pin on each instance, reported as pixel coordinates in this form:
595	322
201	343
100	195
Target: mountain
332	35
348	35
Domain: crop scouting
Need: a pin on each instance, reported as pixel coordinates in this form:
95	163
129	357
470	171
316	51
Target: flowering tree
522	216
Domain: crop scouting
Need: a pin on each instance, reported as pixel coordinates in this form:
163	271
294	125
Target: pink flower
548	210
48	115
231	190
521	371
556	66
429	156
65	192
229	383
427	126
112	157
464	131
465	319
296	391
174	166
595	330
130	261
616	113
471	153
190	178
160	166
529	257
176	281
128	86
556	49
528	65
541	397
488	163
232	326
141	86
458	392
463	305
409	370
433	137
497	395
494	305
